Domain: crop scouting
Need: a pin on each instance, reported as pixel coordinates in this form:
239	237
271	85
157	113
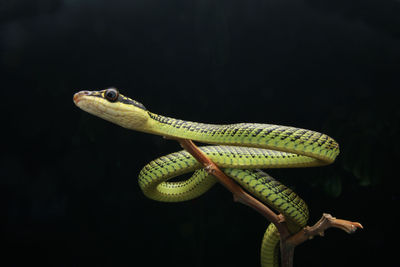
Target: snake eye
111	94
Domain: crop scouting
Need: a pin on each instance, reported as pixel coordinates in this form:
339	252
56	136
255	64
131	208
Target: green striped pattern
273	193
153	178
154	182
254	146
270	247
322	148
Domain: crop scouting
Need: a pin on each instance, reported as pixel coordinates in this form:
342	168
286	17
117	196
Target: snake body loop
241	149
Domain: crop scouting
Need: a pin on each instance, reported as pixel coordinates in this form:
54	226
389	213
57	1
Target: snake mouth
78	96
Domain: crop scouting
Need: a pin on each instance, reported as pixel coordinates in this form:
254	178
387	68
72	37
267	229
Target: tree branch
288	242
239	195
326	221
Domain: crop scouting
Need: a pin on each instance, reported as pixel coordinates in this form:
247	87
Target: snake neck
170	127
269	136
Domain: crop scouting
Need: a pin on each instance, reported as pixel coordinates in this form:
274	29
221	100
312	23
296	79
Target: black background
69	193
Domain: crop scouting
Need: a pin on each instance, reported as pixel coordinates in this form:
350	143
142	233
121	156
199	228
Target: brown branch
239	195
326	221
288	242
243	197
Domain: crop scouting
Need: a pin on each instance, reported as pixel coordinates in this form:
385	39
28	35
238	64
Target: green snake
239	149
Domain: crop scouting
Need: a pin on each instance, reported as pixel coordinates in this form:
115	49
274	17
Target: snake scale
239	149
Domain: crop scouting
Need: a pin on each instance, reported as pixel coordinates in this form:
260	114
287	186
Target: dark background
69	193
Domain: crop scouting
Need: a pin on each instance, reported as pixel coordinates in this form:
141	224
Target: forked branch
288	241
326	221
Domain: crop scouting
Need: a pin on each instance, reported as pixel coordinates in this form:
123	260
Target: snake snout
78	95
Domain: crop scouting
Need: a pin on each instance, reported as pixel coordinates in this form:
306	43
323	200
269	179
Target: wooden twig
309	232
288	242
326	221
239	195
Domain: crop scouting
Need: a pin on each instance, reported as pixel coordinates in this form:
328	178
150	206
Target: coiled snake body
241	149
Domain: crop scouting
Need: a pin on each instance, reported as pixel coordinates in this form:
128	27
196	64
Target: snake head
110	105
